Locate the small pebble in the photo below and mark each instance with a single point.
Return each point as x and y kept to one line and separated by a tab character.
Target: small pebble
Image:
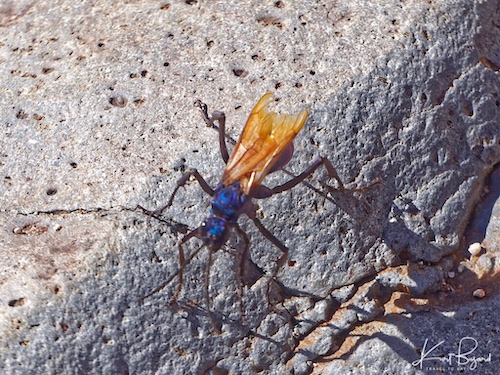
475	248
479	293
460	268
451	274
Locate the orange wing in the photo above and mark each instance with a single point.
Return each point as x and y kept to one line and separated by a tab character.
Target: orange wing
264	138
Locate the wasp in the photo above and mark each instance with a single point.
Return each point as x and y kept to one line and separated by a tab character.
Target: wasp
265	146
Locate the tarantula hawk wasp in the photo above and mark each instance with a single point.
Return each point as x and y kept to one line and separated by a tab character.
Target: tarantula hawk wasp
265	146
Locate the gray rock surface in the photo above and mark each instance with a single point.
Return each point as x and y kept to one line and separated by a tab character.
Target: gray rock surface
98	117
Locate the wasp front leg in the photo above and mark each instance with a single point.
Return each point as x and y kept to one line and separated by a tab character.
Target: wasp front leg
206	280
241	267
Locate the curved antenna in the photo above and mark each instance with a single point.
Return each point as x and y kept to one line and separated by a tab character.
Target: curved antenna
182	263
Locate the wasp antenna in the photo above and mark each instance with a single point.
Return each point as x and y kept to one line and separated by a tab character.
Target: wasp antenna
179	271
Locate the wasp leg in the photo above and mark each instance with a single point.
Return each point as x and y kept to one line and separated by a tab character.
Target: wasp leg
206	280
220	117
309	171
180	183
281	261
182	264
241	268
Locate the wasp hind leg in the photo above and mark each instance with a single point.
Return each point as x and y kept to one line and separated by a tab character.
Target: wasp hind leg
264	192
220	117
308	172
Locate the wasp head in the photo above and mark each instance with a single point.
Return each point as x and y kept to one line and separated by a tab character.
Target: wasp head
214	232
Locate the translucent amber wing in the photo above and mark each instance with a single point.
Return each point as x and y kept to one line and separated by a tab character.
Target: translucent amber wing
264	138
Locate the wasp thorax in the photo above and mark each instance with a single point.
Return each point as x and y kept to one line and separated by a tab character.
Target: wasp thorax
228	201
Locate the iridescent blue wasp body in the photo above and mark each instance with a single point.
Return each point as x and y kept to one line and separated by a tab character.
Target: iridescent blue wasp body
265	146
227	205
